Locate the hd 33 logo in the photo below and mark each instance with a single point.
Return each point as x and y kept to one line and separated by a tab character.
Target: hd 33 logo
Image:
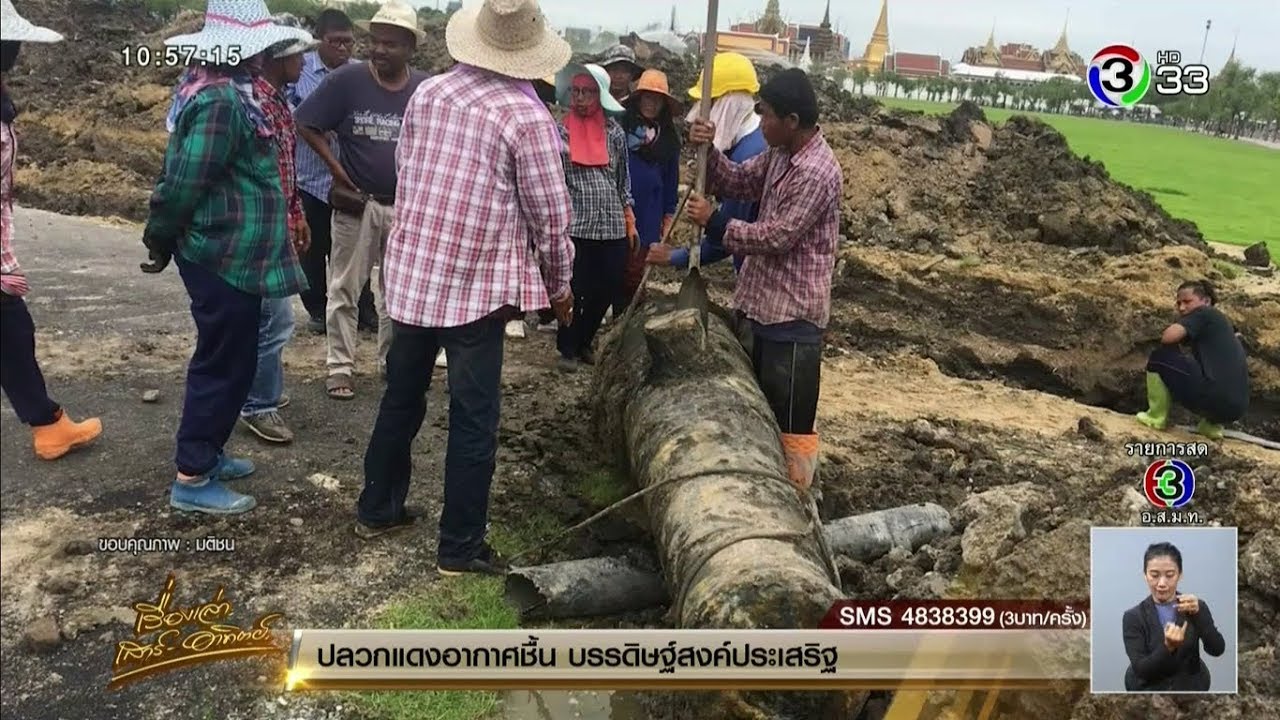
1119	76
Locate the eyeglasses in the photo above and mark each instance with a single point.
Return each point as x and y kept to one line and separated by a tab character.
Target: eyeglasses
584	92
341	42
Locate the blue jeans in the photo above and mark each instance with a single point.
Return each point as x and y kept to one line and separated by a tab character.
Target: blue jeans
475	373
275	327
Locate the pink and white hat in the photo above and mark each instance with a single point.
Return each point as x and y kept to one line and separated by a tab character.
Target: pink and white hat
16	28
236	30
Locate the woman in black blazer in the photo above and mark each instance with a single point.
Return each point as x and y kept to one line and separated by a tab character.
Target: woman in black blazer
1163	633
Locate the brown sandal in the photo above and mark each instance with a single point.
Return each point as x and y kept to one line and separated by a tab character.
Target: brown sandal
339	387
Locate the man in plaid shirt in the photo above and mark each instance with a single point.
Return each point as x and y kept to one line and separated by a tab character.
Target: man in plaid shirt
783	295
481	198
261	411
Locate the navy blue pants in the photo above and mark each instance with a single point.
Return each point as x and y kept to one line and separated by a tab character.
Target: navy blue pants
475	373
1186	383
598	270
19	372
221	369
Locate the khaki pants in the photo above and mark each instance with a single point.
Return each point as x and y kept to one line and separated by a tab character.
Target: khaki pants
356	257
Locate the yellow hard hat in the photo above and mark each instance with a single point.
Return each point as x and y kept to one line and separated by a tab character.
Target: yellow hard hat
732	72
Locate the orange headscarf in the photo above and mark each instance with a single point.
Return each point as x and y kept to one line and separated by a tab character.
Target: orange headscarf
588	141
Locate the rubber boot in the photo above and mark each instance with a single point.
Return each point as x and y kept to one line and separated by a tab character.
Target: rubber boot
801	452
1211	430
1158	400
63	435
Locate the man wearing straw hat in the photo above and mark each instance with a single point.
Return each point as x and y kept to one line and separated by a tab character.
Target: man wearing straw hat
53	432
363	103
221	212
482	201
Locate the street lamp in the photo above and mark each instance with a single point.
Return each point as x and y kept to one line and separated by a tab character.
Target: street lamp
1207	25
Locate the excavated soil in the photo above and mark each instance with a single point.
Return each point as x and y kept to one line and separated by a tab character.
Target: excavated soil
994	303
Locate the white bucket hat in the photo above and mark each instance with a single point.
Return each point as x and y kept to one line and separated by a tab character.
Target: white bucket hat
396	14
16	28
290	47
236	30
508	37
564	80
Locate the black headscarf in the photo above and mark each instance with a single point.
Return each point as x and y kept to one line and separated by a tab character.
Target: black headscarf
665	146
8	58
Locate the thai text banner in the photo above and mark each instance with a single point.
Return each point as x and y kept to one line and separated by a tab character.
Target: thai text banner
658	659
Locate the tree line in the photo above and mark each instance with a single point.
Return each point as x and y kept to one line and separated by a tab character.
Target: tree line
1241	101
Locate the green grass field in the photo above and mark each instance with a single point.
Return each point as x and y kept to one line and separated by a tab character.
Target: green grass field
1220	185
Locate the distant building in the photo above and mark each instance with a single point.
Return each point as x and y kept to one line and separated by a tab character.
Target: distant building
878	56
824	44
1025	58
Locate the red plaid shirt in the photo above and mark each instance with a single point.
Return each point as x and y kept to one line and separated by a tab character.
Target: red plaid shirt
276	108
12	281
791	247
480	199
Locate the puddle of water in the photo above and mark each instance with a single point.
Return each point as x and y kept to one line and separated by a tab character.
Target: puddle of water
570	705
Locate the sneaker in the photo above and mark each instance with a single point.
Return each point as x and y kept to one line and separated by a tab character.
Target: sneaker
488	562
207	496
515	329
364	531
567	364
548	327
316	325
269	426
441	362
230	468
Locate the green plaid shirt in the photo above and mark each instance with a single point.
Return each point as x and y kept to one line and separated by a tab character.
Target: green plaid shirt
222	199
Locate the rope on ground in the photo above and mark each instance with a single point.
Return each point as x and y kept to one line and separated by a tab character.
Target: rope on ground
636	496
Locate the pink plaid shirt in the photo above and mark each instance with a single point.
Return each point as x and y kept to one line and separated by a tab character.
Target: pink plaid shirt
12	282
791	247
480	199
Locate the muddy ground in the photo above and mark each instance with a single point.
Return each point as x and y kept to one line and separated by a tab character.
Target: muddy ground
994	303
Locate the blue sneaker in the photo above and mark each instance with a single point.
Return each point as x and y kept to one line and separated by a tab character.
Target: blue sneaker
230	468
209	497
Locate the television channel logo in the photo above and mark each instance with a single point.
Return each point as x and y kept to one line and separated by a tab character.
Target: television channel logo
1119	76
1169	484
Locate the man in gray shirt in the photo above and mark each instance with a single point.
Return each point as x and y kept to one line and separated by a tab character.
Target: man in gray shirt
362	104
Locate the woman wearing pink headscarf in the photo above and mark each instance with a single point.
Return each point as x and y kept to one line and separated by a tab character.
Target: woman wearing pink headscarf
604	226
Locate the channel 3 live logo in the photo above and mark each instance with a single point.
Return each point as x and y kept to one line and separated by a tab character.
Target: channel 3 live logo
1169	484
1119	76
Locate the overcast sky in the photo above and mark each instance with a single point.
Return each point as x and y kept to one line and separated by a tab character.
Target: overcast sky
947	27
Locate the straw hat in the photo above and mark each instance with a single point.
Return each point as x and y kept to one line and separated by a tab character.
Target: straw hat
290	47
655	81
508	37
396	14
621	54
16	28
236	30
564	80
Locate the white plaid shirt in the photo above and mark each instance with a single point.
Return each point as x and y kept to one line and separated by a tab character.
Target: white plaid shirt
600	194
11	279
791	247
480	189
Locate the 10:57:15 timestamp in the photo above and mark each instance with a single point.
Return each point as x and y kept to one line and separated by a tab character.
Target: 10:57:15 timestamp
179	56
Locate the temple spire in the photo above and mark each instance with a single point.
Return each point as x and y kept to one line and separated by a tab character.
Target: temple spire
826	16
882	25
673	17
1232	57
1062	39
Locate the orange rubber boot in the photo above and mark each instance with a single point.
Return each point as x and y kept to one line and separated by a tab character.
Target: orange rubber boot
63	436
801	452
